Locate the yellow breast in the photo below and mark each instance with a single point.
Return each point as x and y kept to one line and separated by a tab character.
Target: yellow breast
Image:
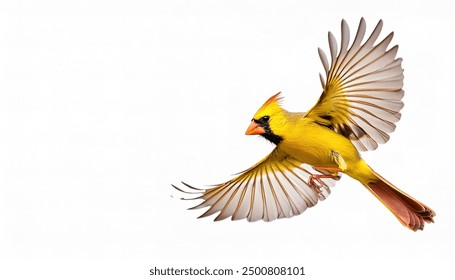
315	144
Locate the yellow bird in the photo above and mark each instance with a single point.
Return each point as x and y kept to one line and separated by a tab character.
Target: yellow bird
359	105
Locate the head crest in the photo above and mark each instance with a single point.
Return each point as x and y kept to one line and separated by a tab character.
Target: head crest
275	98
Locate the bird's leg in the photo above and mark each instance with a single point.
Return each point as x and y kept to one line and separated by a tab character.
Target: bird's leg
329	171
315	180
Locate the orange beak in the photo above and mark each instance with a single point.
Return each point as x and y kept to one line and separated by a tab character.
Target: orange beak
254	129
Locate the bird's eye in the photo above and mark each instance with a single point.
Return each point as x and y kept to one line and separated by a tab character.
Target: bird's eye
265	118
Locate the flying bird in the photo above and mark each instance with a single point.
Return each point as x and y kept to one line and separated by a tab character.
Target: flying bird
358	108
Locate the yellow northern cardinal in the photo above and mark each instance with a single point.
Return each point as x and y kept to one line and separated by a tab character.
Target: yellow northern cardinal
359	105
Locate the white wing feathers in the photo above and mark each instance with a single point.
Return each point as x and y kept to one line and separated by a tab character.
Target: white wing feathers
277	187
362	95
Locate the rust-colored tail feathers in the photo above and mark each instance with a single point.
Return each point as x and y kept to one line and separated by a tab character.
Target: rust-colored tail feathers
410	212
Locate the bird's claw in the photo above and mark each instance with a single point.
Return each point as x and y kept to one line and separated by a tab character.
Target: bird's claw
318	186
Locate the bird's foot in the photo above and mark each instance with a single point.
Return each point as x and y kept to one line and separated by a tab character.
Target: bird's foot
318	186
315	180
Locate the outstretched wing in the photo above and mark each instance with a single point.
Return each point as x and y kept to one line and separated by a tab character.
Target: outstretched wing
361	98
276	187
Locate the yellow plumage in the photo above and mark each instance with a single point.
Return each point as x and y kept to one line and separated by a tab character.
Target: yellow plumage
358	107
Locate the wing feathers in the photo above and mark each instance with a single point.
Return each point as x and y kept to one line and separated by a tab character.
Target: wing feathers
333	46
324	61
363	90
274	188
344	37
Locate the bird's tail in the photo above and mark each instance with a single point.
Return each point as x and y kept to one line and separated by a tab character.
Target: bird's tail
410	212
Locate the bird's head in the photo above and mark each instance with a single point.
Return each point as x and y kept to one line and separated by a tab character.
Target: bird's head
269	120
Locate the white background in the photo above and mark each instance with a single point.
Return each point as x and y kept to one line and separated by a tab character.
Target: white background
104	104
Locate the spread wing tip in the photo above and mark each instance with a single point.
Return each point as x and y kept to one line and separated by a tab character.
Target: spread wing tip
362	89
276	187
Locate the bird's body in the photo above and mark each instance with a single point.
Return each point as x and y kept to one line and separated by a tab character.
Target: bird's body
357	110
316	145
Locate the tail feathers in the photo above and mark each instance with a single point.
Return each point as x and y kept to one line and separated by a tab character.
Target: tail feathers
410	212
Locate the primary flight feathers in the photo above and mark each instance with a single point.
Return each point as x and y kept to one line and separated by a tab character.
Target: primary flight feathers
359	105
362	96
274	188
